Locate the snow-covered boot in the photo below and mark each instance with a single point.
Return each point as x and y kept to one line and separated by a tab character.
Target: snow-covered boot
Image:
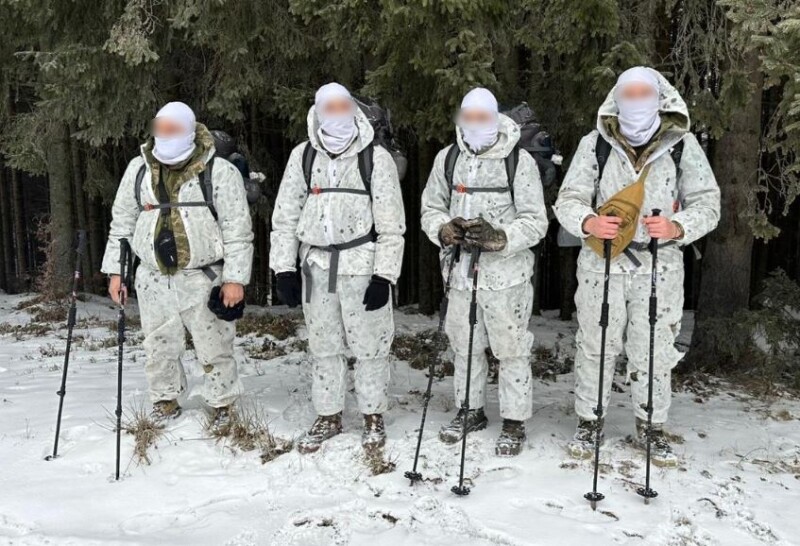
582	444
324	428
511	438
221	420
661	453
453	431
374	434
164	410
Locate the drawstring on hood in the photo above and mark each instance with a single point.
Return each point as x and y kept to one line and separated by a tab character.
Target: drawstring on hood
479	136
176	149
336	132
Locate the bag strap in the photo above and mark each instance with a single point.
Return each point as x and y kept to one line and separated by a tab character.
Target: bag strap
366	161
512	160
207	186
602	150
677	153
163	194
450	164
309	155
137	187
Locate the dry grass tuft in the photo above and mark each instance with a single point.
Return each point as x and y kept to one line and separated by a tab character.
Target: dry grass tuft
377	463
249	430
145	431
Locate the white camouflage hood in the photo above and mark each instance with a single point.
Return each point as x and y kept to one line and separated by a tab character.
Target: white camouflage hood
507	137
672	109
364	136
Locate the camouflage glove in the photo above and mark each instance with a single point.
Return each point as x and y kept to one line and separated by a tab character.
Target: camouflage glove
452	233
481	234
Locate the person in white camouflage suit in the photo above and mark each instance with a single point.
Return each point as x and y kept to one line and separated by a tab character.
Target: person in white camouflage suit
339	205
480	207
209	251
644	119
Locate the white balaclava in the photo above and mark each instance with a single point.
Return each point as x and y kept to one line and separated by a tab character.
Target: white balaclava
479	136
336	132
176	149
638	118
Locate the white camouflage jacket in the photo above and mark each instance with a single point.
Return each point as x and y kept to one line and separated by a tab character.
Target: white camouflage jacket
523	218
229	238
302	221
692	200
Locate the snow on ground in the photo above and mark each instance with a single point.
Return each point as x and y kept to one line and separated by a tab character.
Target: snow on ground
738	484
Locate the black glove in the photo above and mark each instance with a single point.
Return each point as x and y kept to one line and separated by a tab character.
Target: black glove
289	289
377	294
216	306
452	233
481	234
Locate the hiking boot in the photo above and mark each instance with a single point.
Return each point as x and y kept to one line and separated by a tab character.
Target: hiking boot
453	431
324	428
509	443
164	410
374	434
221	420
582	444
661	454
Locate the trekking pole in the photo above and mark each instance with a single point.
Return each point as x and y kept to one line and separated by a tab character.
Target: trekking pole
461	489
124	273
593	496
412	474
646	491
80	248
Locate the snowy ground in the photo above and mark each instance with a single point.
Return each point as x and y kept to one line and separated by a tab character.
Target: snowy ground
738	483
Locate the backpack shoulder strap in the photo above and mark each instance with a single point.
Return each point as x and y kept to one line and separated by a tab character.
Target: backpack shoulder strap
309	155
512	160
137	186
450	163
602	150
677	154
207	186
366	161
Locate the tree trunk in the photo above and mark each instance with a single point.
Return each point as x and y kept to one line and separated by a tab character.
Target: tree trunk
80	209
58	268
429	274
726	269
96	243
7	271
20	233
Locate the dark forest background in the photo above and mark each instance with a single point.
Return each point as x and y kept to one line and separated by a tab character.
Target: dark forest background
81	79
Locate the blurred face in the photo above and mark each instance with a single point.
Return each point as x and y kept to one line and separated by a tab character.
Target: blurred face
476	116
636	91
336	107
167	128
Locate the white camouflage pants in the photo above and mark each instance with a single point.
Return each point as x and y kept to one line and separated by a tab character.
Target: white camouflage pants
628	328
167	306
336	321
503	317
